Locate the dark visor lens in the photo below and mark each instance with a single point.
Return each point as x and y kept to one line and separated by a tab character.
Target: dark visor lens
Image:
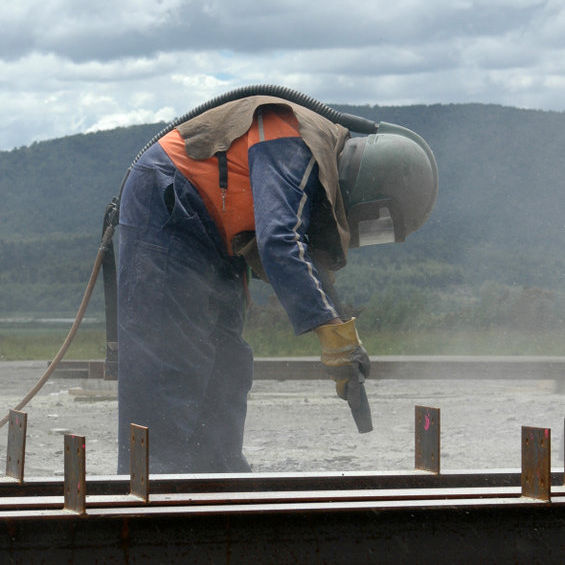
377	231
371	223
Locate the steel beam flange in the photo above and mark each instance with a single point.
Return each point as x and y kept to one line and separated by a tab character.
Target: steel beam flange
139	461
75	474
427	432
536	463
15	457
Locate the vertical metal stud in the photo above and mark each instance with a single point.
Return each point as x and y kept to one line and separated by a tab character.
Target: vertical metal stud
75	474
536	463
139	461
15	457
427	432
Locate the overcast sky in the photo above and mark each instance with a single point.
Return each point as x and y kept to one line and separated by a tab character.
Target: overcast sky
68	66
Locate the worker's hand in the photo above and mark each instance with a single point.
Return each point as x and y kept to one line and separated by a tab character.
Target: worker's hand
343	354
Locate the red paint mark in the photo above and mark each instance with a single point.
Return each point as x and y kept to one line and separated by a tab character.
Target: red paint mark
427	422
546	432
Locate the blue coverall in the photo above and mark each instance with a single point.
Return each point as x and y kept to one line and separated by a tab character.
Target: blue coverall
184	368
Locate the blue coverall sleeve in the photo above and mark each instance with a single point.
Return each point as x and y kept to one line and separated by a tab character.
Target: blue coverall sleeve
284	182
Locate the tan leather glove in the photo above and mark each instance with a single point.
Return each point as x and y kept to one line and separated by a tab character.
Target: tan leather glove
343	354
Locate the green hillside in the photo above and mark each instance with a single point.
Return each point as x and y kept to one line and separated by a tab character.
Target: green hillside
491	254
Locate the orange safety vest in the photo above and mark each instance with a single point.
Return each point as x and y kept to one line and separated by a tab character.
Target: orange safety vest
230	206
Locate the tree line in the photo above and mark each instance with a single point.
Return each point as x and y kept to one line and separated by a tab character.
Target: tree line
491	253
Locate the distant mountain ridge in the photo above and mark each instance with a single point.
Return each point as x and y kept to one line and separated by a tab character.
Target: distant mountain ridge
500	213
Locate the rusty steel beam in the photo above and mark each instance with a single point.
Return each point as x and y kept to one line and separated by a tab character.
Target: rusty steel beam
307	502
263	497
442	367
254	482
439	531
204	518
450	367
201	518
10	506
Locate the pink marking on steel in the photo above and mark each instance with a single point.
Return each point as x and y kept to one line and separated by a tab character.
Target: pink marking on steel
427	422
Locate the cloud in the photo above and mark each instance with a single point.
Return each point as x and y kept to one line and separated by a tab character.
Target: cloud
109	30
110	121
67	67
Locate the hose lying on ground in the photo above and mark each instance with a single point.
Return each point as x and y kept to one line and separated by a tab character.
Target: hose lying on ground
72	332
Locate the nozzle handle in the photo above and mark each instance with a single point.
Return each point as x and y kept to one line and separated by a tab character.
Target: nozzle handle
359	404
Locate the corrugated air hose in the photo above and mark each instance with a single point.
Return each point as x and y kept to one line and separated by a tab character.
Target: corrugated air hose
105	256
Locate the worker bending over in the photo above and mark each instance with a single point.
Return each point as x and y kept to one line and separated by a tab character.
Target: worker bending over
258	182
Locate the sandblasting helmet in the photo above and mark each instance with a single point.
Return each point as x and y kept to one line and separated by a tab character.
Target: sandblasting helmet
389	184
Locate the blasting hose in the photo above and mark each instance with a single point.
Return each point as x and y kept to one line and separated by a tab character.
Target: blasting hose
106	239
350	121
106	257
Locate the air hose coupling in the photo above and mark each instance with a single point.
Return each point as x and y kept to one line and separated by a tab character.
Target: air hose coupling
111	219
113	212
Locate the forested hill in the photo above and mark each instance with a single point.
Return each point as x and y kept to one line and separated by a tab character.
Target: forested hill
499	217
62	186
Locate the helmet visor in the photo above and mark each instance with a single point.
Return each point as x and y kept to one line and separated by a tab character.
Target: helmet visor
372	223
377	231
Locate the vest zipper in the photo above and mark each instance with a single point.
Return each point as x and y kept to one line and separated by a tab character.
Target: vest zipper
223	175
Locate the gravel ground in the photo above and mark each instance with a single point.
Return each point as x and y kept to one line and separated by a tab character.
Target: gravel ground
302	426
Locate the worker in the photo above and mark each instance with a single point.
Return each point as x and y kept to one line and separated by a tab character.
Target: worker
257	183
